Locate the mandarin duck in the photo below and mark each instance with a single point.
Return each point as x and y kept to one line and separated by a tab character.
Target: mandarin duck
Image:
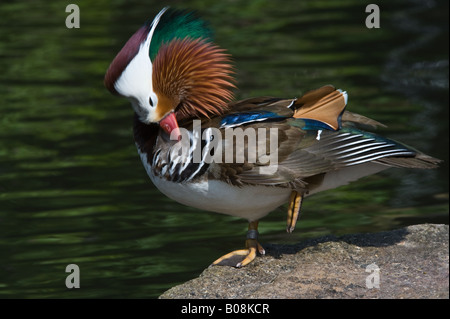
240	158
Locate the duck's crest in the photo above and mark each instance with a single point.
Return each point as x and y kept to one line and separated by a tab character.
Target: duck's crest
177	24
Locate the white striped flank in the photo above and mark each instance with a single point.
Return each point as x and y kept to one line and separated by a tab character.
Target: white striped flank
346	149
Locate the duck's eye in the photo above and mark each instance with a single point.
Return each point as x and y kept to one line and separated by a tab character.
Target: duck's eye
150	101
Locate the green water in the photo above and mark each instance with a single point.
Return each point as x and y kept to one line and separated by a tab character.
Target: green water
72	187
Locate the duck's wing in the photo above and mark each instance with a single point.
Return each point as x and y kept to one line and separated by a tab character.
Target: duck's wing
310	143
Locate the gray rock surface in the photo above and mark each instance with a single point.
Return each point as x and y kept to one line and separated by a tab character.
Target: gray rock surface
412	263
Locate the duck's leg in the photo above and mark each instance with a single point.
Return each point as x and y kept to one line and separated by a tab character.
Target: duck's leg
295	204
245	255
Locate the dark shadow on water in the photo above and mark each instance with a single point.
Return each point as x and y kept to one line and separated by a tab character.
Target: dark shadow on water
381	239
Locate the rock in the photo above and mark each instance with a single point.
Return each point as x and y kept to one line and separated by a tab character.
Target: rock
412	263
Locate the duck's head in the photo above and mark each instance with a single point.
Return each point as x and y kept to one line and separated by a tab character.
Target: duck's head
170	70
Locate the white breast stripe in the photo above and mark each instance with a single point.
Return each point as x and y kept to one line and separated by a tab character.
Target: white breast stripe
190	155
195	140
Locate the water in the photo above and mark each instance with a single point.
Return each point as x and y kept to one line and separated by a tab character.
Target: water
73	190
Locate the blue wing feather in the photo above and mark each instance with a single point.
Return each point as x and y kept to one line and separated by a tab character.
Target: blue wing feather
241	118
314	125
236	119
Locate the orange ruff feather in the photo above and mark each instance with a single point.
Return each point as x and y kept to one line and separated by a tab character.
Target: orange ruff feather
194	76
325	104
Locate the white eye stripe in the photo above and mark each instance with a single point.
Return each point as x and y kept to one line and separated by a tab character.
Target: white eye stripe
153	27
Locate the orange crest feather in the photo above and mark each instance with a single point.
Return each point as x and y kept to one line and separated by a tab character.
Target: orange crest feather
195	76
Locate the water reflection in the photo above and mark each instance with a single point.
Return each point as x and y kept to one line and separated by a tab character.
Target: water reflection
72	188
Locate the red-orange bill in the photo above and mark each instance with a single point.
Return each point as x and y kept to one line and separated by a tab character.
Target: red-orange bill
169	124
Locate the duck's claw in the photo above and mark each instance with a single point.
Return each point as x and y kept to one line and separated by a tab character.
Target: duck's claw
242	257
